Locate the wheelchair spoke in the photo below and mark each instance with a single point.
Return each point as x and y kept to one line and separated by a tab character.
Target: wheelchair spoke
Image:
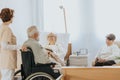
39	76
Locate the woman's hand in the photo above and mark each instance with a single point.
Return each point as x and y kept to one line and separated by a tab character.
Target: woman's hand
24	48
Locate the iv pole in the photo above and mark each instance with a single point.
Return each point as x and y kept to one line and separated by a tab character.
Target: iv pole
64	14
69	45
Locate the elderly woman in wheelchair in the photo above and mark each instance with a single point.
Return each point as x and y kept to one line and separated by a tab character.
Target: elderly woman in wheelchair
36	64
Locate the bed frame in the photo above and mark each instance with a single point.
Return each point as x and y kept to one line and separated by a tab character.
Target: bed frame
69	51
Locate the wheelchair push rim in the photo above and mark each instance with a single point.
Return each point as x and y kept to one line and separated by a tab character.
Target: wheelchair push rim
40	75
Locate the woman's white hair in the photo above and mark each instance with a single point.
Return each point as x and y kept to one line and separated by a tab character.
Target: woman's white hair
32	30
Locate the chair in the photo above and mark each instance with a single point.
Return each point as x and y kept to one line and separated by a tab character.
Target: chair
31	71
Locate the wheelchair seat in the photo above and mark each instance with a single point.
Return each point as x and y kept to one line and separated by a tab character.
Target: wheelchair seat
32	71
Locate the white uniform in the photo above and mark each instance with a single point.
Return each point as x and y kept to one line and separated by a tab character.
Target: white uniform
8	53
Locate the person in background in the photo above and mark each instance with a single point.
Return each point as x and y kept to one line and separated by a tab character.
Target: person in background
8	47
107	56
54	47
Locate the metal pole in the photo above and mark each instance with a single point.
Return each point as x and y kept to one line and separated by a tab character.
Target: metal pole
65	20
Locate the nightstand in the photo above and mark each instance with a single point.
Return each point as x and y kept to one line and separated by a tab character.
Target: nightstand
78	60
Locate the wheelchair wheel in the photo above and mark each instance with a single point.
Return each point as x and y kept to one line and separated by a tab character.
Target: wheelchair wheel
40	76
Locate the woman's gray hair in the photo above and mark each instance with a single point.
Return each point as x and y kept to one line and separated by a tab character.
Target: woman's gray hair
31	31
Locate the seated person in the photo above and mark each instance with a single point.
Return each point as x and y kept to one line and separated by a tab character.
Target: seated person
41	55
107	56
56	48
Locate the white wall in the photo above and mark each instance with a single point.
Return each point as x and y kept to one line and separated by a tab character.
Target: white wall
107	17
37	13
53	16
82	26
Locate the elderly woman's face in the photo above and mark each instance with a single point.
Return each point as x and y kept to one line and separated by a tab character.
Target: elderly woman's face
51	38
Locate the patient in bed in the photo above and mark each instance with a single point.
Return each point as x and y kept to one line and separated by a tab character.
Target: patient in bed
55	48
107	56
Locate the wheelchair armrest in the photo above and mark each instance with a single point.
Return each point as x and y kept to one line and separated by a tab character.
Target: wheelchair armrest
28	50
47	64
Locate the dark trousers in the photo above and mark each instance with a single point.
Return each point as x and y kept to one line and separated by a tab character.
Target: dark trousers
106	63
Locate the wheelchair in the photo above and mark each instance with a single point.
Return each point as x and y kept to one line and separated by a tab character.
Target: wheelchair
31	71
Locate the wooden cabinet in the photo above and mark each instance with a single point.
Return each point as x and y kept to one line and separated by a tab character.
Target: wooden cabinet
93	73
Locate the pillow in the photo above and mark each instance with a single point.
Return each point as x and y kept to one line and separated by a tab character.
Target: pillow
62	38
